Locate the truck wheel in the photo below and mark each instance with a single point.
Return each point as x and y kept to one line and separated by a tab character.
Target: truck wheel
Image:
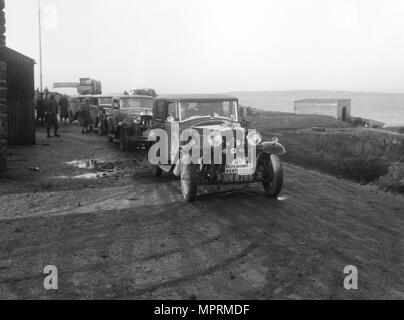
189	181
273	177
156	171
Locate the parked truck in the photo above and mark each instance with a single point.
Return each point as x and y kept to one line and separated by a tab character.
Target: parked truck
89	86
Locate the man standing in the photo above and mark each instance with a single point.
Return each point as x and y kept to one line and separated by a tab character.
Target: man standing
64	109
51	112
249	112
85	115
40	110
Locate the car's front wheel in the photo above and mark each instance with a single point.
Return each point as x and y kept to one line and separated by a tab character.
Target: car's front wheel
156	171
189	181
273	176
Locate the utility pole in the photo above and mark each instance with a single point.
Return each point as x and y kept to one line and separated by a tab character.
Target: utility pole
40	45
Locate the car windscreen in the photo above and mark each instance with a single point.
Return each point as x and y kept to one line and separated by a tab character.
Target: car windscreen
136	103
105	101
77	100
222	109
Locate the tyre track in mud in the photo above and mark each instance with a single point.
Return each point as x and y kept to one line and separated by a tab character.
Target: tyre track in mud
286	242
342	244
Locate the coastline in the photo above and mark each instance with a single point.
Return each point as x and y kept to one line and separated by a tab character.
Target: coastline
363	155
384	107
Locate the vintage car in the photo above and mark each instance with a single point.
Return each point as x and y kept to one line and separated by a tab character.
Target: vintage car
104	104
229	152
130	120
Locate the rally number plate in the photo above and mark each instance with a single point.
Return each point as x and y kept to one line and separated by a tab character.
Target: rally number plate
242	170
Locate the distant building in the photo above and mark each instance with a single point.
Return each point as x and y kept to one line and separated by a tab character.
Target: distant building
337	108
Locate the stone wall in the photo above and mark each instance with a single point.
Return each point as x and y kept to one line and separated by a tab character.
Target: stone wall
3	95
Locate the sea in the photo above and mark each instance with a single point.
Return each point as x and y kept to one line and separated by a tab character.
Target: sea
385	107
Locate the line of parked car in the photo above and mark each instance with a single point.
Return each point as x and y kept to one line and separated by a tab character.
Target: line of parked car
125	118
129	119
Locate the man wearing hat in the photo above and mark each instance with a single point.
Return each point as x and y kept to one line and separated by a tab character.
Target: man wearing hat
51	113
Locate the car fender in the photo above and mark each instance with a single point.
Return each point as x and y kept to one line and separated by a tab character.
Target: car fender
271	147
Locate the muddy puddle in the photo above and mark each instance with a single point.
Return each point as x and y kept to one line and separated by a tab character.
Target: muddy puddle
96	168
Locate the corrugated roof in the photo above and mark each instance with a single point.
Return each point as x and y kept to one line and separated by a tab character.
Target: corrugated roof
10	51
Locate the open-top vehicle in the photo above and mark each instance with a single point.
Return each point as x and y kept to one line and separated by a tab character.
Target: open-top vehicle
226	151
130	120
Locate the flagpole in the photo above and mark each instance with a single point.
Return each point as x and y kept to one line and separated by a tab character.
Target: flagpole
40	44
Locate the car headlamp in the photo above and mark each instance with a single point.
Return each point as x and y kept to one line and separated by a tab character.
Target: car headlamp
152	135
254	138
137	120
215	139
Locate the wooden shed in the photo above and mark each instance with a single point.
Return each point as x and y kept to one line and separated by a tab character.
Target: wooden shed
20	97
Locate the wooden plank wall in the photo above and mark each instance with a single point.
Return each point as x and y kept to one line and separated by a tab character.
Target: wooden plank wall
20	98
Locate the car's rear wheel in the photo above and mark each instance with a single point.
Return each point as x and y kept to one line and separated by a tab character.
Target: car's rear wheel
189	181
273	175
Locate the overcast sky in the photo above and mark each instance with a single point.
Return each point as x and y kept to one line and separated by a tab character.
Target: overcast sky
215	45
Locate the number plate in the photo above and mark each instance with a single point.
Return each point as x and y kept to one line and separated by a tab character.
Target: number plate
237	178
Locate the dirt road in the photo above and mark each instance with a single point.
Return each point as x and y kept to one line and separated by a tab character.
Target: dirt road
114	231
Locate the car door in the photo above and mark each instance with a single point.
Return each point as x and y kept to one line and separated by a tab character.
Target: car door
171	126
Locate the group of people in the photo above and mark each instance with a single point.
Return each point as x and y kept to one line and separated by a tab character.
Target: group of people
85	118
48	109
